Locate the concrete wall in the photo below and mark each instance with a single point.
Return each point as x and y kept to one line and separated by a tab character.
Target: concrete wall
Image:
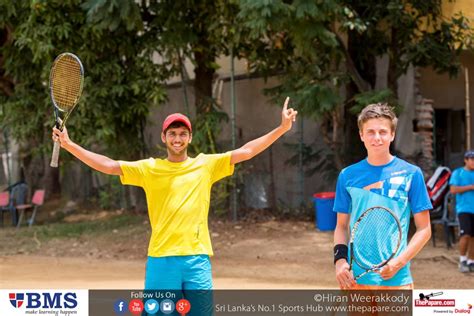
451	8
450	94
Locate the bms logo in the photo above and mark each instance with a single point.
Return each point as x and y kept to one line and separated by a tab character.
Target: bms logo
44	300
16	299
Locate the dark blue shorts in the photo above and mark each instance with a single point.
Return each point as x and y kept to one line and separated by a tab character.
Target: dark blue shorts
466	224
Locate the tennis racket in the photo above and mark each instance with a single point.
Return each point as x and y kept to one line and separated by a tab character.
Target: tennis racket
375	239
65	86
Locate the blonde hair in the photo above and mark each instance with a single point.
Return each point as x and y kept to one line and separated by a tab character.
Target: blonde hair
377	110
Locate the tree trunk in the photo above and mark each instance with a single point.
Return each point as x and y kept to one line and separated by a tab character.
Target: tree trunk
203	80
6	83
354	149
365	64
392	77
393	73
50	180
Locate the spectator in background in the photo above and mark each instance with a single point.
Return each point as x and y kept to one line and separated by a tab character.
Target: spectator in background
462	184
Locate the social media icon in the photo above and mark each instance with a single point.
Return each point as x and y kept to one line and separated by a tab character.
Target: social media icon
167	306
152	306
120	307
135	306
183	306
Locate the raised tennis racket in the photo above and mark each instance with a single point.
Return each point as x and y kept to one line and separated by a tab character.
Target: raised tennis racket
375	239
65	86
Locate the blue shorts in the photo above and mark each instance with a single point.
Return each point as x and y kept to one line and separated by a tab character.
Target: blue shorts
189	277
178	273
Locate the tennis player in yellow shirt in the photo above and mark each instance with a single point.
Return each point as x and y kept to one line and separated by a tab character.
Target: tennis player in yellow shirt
178	190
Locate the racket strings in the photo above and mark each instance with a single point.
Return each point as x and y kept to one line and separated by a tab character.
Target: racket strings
376	238
66	82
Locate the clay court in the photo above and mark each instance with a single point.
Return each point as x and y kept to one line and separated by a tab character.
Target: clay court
266	254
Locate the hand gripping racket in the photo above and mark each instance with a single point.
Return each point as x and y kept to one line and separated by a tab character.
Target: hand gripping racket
375	239
65	86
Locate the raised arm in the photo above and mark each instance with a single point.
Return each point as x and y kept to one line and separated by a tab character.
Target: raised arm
98	162
256	146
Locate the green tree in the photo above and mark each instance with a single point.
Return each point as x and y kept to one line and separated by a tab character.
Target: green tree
199	31
196	30
119	43
319	47
122	82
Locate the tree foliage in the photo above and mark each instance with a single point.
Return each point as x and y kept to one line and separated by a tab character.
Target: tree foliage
122	82
324	52
199	31
196	30
128	49
321	48
411	33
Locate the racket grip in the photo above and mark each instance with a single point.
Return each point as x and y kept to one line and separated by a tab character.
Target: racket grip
55	156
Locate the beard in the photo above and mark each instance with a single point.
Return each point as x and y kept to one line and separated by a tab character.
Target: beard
177	152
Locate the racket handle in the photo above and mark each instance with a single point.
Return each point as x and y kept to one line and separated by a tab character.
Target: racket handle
55	156
367	271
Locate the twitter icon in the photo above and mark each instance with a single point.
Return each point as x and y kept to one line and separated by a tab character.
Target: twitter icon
152	306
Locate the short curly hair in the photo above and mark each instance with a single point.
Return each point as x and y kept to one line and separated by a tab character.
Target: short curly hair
377	110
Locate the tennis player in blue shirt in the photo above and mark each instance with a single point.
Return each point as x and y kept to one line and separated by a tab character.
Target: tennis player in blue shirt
380	180
462	184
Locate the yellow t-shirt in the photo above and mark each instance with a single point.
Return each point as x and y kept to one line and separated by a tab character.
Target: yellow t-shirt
178	197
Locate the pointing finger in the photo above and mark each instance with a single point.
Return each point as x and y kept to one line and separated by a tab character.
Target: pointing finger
285	106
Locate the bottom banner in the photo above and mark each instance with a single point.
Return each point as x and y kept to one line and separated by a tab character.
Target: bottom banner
250	302
234	302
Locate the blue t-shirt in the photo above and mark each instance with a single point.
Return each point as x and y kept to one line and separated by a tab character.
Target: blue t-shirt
399	186
464	201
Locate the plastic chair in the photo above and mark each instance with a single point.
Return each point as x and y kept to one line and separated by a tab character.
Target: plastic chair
18	193
449	220
4	203
438	217
36	201
452	222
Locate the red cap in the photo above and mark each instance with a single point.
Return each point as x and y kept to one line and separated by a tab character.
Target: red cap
176	117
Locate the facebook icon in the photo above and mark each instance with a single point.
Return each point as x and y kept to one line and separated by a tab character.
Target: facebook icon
120	307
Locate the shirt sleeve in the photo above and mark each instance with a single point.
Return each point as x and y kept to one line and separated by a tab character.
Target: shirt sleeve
133	172
418	194
342	203
219	166
454	180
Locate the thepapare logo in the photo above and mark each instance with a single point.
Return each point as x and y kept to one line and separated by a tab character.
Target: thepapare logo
44	300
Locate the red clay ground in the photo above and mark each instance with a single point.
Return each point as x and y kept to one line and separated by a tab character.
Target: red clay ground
269	254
